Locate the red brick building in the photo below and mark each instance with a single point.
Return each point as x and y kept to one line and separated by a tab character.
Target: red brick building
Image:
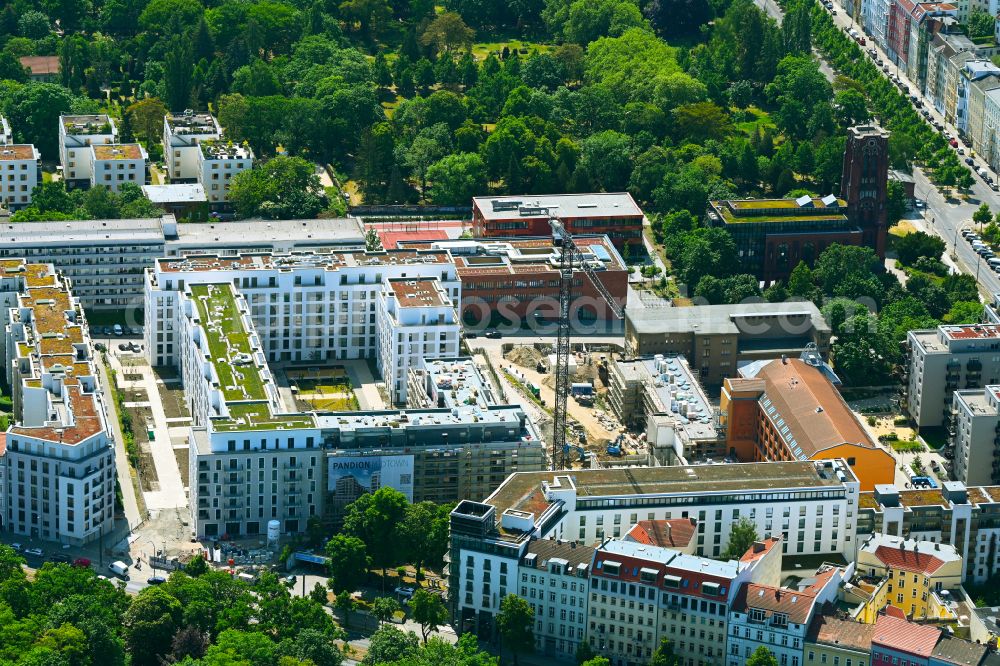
518	279
612	214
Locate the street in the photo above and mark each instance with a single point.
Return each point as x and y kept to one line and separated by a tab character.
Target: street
944	217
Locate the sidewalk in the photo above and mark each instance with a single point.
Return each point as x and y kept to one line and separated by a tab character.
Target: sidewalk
122	468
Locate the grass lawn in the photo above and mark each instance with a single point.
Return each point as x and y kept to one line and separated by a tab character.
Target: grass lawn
481	50
227	339
902	228
761	120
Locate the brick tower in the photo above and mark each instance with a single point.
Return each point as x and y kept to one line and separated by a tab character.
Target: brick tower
864	183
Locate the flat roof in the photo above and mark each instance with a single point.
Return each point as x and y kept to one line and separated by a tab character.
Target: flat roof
971	332
225	150
595	204
521	488
18	151
96	123
717	319
675	388
247	232
118	151
418	293
458	381
191	123
175	193
134	230
330	261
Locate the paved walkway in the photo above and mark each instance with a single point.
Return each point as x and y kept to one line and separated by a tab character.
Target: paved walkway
171	489
132	514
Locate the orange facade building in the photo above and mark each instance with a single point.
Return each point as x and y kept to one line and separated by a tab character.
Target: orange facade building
791	411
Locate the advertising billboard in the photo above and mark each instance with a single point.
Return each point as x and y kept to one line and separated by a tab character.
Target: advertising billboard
349	477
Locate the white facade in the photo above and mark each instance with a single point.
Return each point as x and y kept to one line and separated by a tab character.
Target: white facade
416	319
218	164
59	467
182	134
976	438
304	306
18	174
113	165
946	359
76	135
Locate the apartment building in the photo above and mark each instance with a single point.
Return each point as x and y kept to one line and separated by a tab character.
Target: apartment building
789	410
834	641
518	278
967	518
182	134
685	599
115	164
257	455
943	360
897	640
717	339
917	571
554	578
218	163
58	463
305	306
20	169
612	214
779	618
943	63
975	436
875	20
661	395
76	135
806	504
416	320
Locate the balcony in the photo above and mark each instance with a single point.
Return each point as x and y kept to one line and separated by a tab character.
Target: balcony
974	366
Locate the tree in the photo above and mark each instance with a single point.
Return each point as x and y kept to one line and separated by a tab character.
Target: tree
160	16
911	247
515	622
150	623
456	178
664	654
428	147
983	215
741	538
606	157
345	603
348	562
375	519
145	117
895	207
389	644
801	282
447	32
678	17
189	641
701	121
34	109
981	23
312	647
10	564
178	73
33	25
762	657
425	529
367	13
372	241
281	188
428	611
852	108
596	661
385	608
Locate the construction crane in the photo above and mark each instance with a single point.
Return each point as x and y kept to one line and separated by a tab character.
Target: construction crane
570	254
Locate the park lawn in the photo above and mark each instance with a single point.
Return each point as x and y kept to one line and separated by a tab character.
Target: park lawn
902	228
480	50
762	120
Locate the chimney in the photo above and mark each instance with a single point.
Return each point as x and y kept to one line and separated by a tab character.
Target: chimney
667	523
784	359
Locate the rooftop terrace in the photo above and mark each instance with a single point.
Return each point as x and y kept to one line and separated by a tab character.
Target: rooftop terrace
192	123
88	124
331	261
971	332
805	209
18	152
422	293
225	150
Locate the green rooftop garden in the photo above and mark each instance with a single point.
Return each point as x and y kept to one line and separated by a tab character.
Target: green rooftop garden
729	218
227	341
257	416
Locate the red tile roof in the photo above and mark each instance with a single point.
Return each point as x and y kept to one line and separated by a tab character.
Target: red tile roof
3	443
908	560
897	634
759	549
674	533
831	630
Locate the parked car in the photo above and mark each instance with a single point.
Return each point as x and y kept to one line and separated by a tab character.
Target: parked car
60	558
968	160
119	568
156	580
17	547
118	329
403	591
289	581
37	552
124	346
493	334
81	562
469	335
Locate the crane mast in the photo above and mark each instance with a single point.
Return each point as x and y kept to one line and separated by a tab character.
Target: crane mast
570	253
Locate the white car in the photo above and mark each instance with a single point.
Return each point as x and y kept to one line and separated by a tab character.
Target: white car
405	592
37	552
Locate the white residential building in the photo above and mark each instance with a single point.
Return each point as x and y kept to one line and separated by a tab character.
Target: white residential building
416	319
304	306
976	438
943	360
106	259
113	165
59	466
76	135
182	134
218	164
19	170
